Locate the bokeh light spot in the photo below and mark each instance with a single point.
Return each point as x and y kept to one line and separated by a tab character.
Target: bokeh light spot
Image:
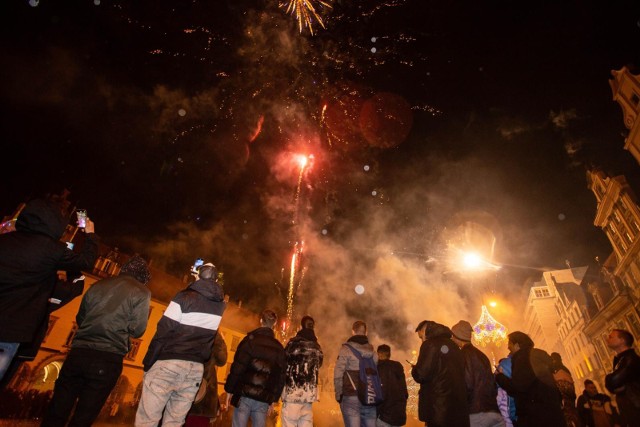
562	217
324	231
366	168
359	289
374	193
33	3
182	112
373	50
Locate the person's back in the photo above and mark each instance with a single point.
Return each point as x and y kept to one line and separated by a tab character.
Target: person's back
257	374
108	312
393	409
111	311
440	372
624	381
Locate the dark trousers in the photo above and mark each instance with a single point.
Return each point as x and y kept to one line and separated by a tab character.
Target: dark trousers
87	376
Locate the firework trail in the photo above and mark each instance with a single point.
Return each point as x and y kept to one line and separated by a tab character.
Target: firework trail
305	12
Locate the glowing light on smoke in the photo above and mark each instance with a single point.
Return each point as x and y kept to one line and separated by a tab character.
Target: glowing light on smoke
305	12
488	330
359	289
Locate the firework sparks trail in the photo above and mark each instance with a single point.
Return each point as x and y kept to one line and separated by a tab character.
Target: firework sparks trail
305	12
295	264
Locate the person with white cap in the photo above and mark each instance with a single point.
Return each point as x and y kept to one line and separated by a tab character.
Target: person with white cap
480	382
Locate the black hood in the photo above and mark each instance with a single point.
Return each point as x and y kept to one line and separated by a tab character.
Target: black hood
41	216
436	330
209	289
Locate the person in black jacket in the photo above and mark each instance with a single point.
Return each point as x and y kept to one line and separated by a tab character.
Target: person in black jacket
440	372
393	409
538	400
482	392
174	363
257	374
29	260
111	311
624	381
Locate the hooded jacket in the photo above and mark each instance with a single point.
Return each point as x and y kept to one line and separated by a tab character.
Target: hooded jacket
29	260
112	311
393	410
481	383
538	400
347	369
258	368
189	325
304	359
440	373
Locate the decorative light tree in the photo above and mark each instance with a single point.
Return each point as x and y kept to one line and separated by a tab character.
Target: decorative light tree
488	330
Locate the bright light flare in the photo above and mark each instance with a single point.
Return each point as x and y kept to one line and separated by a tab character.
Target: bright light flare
493	304
472	261
302	161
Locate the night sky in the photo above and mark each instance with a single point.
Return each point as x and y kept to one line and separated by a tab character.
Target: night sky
176	125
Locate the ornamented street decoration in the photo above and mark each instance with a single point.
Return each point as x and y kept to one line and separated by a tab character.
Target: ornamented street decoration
488	330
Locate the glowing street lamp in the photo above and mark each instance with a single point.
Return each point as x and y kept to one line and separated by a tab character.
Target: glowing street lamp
473	261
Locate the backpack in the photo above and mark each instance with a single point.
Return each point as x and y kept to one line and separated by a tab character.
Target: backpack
369	387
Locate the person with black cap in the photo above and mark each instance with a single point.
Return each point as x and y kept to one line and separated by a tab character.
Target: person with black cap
112	311
174	363
392	412
479	379
442	399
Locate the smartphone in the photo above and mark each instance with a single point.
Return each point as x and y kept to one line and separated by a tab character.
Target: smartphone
199	262
82	218
69	245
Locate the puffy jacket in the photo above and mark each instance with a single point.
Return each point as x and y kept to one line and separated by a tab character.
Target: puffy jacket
393	410
29	260
189	325
481	383
440	373
347	367
258	368
538	400
304	359
111	311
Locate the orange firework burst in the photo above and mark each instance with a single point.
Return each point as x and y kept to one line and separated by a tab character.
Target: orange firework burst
305	12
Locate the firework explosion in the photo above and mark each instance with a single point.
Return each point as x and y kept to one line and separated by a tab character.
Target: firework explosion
305	12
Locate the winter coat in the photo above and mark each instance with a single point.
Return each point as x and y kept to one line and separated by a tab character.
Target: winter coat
29	260
304	359
258	368
207	405
481	383
393	409
538	401
112	311
624	381
189	325
440	373
597	406
347	369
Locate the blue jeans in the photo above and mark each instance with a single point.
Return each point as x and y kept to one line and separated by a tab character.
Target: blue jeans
7	352
355	414
171	383
249	408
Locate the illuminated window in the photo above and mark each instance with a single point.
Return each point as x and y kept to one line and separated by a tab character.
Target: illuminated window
72	334
135	346
542	292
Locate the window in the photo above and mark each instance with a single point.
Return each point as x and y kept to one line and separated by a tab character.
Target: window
542	292
234	343
52	322
135	346
72	334
632	319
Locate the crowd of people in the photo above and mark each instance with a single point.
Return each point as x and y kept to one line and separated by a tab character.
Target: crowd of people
458	385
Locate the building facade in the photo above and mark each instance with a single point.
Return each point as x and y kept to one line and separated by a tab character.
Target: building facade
626	91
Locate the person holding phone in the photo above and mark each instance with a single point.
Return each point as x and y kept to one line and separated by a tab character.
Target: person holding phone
29	260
